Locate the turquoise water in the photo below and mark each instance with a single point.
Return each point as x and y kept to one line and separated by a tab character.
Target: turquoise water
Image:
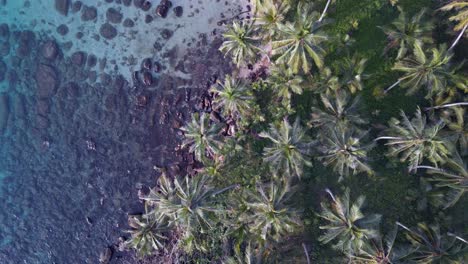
80	134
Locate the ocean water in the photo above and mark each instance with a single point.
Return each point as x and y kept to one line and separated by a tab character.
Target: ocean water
91	99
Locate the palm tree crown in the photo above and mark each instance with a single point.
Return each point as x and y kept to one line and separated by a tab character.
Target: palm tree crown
270	14
232	96
240	43
414	140
301	41
285	83
346	223
290	146
201	137
404	32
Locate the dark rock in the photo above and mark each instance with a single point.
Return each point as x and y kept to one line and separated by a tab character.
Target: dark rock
147	79
72	90
78	58
46	81
50	50
43	107
76	6
42	122
114	16
142	100
4	31
156	67
3	70
138	3
4	112
79	35
105	256
146	64
146	5
62	30
166	33
148	19
105	79
92	61
12	78
162	10
178	11
4	48
108	31
126	2
23	50
88	13
62	6
128	23
166	3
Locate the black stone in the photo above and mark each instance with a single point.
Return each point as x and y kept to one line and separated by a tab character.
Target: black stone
88	13
108	31
50	50
76	6
178	11
4	31
128	23
62	6
46	81
62	30
114	16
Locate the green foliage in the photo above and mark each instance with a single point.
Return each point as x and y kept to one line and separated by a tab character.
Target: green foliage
147	234
287	155
201	137
461	17
240	44
454	119
415	140
346	224
269	15
285	83
433	247
301	41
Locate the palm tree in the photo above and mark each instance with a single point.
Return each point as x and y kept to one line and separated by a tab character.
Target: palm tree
147	234
352	73
285	83
300	41
188	204
416	140
347	225
380	250
432	247
240	43
268	216
341	148
404	32
201	136
461	18
290	146
454	119
269	14
338	110
324	82
247	256
232	96
452	181
420	71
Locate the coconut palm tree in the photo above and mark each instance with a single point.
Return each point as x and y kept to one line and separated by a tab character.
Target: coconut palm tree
433	73
454	119
451	181
290	146
232	96
324	82
342	149
461	17
269	14
301	41
240	43
404	32
346	224
352	73
201	137
147	234
285	83
338	110
415	140
268	216
433	247
246	256
380	250
187	204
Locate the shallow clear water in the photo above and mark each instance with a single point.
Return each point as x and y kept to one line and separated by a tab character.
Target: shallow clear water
78	134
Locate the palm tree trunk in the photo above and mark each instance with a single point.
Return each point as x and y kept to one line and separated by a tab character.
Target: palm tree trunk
457	237
459	37
393	86
448	105
428	167
331	194
324	11
306	253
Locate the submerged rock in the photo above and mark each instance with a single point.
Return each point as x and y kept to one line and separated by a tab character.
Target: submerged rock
105	256
114	16
88	13
163	8
178	11
46	81
50	50
3	70
4	112
62	30
128	23
4	31
4	48
76	6
108	31
62	6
